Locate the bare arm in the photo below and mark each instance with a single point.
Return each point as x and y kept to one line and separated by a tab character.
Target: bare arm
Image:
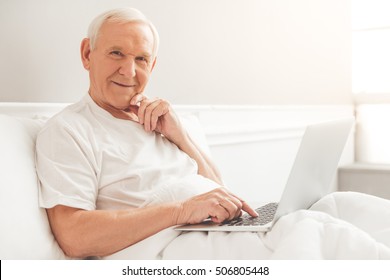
82	233
158	115
206	167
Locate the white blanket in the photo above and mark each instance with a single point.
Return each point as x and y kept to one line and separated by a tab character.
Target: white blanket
339	226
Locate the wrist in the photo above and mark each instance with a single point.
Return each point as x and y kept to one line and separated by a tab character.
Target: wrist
176	213
185	144
181	140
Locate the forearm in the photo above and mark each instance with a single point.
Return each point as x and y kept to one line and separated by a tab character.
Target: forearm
157	115
83	233
206	167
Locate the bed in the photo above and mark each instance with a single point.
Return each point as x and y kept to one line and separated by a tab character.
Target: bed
342	225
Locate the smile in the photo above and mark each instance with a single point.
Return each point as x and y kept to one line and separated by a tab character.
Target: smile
123	85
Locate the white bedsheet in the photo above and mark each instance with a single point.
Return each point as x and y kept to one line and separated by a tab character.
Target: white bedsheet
340	226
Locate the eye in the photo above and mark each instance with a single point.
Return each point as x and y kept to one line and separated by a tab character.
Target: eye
142	59
116	53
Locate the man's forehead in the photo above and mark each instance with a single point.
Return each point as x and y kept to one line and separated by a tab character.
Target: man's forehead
134	30
123	35
112	29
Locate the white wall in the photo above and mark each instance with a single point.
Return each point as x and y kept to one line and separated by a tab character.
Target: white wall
255	151
212	51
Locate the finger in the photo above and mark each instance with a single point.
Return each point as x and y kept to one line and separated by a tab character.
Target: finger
157	112
238	213
237	206
232	204
220	215
230	208
249	210
234	199
245	206
148	115
133	109
142	109
137	98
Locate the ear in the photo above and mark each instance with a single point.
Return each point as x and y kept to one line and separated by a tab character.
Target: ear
153	64
85	50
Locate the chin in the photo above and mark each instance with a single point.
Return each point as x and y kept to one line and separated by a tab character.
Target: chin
121	103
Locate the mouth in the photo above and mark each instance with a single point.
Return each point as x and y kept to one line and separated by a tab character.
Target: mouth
123	85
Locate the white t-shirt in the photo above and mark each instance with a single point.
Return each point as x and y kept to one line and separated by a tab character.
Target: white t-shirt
90	160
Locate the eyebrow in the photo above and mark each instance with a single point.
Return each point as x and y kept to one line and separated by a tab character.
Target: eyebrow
118	48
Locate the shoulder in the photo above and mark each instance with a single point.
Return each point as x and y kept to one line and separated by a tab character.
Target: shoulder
71	119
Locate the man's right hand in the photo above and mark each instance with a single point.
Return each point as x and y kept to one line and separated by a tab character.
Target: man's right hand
219	205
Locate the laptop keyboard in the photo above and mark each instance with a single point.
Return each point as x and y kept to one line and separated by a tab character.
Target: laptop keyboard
266	215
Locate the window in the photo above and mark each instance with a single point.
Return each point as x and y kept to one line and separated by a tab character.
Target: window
371	50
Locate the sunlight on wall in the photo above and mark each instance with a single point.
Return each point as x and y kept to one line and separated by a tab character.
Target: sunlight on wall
373	133
371	61
371	45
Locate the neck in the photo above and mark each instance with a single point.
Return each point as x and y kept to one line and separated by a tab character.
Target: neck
129	113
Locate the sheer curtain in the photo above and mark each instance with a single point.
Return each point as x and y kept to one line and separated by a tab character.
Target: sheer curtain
371	79
371	50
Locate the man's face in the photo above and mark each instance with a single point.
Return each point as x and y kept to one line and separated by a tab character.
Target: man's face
120	64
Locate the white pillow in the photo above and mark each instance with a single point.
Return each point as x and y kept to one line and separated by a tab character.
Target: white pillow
25	232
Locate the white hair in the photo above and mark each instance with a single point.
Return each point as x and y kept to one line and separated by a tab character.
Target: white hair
121	15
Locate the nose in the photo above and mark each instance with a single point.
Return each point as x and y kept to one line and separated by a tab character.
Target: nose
128	68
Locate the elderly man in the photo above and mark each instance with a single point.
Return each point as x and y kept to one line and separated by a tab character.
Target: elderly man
118	170
102	160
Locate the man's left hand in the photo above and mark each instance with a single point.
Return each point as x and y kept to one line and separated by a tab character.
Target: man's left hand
157	115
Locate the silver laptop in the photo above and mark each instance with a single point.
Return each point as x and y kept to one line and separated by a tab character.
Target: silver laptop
311	178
